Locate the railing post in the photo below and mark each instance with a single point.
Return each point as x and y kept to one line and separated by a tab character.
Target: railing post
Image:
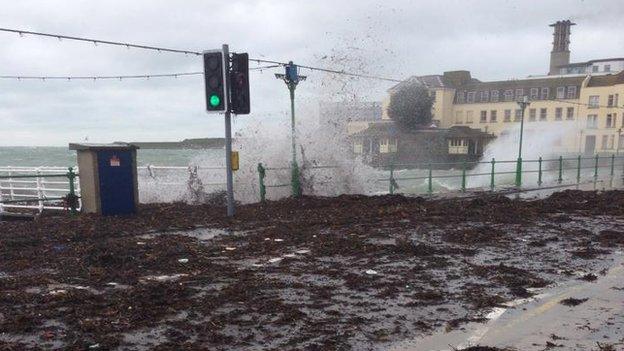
430	184
72	190
519	172
539	173
1	198
492	175
612	165
596	168
560	180
261	175
40	194
463	184
391	189
12	190
578	170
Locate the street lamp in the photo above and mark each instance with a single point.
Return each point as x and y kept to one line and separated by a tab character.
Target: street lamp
291	77
523	105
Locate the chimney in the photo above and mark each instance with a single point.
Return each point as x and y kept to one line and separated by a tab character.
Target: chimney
560	54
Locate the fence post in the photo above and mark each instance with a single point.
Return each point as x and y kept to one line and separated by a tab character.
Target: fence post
578	170
391	189
72	190
430	184
596	168
560	180
261	175
539	173
519	172
11	186
40	193
463	185
492	175
612	165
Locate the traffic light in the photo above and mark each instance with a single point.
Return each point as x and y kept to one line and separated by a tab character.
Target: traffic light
239	81
214	75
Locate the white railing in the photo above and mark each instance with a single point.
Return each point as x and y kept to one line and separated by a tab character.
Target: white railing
156	184
38	188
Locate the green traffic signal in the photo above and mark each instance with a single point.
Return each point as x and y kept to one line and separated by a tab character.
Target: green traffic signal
214	100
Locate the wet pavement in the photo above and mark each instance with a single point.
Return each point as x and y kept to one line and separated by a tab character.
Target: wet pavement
345	273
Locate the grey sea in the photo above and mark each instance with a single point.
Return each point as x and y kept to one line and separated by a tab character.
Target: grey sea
62	157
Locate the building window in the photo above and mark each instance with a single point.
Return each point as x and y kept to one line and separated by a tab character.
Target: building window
508	95
532	114
484	96
595	69
387	145
615	100
493	116
592	121
534	93
558	113
572	92
610	121
518	115
519	94
605	141
507	115
560	92
358	148
610	101
611	141
483	117
543	113
461	97
607	68
459	117
594	101
545	92
471	97
570	113
458	146
392	146
494	95
469	116
432	94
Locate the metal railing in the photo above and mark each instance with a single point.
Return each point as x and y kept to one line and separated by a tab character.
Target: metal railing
560	169
49	187
44	186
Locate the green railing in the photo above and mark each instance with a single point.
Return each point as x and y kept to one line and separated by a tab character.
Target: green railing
608	162
559	168
71	199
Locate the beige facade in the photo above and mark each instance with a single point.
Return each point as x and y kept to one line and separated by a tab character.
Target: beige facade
582	102
589	109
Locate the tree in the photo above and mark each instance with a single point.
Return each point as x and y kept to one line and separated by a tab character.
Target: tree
410	106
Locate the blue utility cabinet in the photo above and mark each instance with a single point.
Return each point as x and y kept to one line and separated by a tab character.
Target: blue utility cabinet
108	178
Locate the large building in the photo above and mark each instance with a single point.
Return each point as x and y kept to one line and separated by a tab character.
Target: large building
583	98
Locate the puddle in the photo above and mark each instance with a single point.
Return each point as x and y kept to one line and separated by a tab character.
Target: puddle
201	234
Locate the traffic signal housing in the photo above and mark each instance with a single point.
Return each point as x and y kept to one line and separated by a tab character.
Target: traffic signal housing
239	84
214	80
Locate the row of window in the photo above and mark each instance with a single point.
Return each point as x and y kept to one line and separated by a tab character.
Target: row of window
610	121
612	101
608	142
542	93
517	115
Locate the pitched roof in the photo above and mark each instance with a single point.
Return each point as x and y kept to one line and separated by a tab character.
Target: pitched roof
606	80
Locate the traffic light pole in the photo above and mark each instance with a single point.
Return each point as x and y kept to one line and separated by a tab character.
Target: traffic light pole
228	134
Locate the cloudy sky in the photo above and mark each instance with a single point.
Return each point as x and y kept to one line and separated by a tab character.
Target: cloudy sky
493	39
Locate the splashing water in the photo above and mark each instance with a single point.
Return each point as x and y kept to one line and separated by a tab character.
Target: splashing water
540	139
